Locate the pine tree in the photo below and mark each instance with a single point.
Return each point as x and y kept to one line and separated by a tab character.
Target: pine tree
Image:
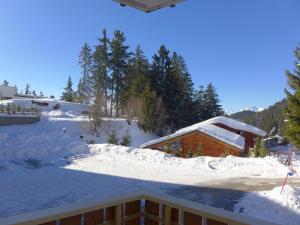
80	94
174	97
85	61
293	100
136	79
27	89
126	139
163	86
68	95
5	83
212	107
148	108
161	94
137	76
119	57
101	69
172	82
154	113
180	89
263	151
112	137
198	105
259	149
97	114
160	70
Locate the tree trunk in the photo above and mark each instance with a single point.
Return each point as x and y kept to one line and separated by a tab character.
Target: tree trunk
111	100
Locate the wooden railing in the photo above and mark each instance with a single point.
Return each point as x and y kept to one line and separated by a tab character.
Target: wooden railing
135	209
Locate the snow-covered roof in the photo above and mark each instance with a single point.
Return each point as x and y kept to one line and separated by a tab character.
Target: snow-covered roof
224	135
216	132
210	129
229	122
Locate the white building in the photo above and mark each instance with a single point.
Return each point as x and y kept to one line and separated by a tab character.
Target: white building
7	92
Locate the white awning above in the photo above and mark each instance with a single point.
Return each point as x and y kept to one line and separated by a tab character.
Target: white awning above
149	5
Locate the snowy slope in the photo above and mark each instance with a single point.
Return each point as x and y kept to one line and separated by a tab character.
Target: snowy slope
59	132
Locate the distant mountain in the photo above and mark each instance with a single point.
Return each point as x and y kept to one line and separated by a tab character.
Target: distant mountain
247	109
268	119
229	113
253	109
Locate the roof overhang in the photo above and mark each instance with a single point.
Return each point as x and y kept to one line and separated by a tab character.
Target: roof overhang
149	5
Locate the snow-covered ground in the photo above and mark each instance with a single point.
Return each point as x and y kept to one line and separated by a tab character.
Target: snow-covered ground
48	164
271	205
60	133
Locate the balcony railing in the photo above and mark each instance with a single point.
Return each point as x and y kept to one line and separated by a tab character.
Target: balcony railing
135	209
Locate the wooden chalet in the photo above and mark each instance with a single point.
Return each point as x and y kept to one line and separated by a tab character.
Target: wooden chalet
214	137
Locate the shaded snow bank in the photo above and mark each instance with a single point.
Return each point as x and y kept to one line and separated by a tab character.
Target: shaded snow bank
272	206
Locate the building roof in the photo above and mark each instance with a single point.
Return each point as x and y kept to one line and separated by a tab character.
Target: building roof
6	86
149	5
229	122
214	131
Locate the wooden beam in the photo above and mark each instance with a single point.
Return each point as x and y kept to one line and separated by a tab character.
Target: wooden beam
167	215
118	215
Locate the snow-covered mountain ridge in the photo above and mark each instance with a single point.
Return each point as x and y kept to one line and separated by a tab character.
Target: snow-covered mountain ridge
253	109
250	108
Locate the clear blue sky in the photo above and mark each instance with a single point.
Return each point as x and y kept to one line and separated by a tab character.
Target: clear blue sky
242	46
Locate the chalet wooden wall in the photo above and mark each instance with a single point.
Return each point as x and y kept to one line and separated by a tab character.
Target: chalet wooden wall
209	146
